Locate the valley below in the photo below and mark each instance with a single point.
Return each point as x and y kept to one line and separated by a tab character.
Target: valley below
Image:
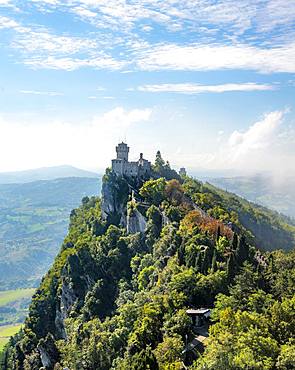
34	220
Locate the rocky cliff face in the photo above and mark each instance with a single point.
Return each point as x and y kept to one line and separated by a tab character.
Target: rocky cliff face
64	305
115	194
114	197
136	222
48	352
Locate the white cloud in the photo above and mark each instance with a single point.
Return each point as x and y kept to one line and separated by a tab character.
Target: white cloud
122	15
42	49
48	2
147	28
276	13
43	41
260	135
191	88
8	4
120	118
54	52
267	145
127	34
83	12
216	57
71	64
50	143
6	22
232	16
36	92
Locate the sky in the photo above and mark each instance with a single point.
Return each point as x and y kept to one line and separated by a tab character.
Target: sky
208	83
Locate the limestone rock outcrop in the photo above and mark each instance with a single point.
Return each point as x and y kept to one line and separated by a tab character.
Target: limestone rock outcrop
136	222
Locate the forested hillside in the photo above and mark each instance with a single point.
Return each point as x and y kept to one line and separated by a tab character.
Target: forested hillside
44	173
270	230
136	260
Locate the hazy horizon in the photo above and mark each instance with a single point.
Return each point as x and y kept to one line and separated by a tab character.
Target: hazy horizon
202	173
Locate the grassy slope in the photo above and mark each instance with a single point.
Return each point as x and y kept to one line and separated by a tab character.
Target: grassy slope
6	332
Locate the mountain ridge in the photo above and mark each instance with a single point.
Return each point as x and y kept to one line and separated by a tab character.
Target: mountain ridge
118	300
43	173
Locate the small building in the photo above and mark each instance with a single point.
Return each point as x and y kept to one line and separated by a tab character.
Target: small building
182	171
200	316
122	167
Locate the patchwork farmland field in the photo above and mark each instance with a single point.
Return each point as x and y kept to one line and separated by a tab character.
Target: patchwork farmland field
14	306
6	332
11	296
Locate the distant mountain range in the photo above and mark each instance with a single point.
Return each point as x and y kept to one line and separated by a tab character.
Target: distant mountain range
262	189
44	173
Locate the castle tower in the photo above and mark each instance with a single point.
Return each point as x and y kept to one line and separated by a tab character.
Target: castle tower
182	171
122	150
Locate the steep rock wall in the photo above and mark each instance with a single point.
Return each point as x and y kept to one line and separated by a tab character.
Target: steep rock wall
136	222
114	197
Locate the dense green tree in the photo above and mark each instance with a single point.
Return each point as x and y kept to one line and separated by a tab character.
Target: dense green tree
214	262
169	352
198	262
159	161
235	242
207	261
286	359
154	191
230	268
154	224
144	360
162	169
242	252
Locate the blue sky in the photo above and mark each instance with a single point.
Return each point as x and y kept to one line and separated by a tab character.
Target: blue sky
209	83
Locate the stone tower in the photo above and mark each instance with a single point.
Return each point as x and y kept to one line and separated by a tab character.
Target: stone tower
182	171
122	150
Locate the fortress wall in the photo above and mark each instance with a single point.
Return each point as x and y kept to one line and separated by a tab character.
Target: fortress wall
118	166
131	169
